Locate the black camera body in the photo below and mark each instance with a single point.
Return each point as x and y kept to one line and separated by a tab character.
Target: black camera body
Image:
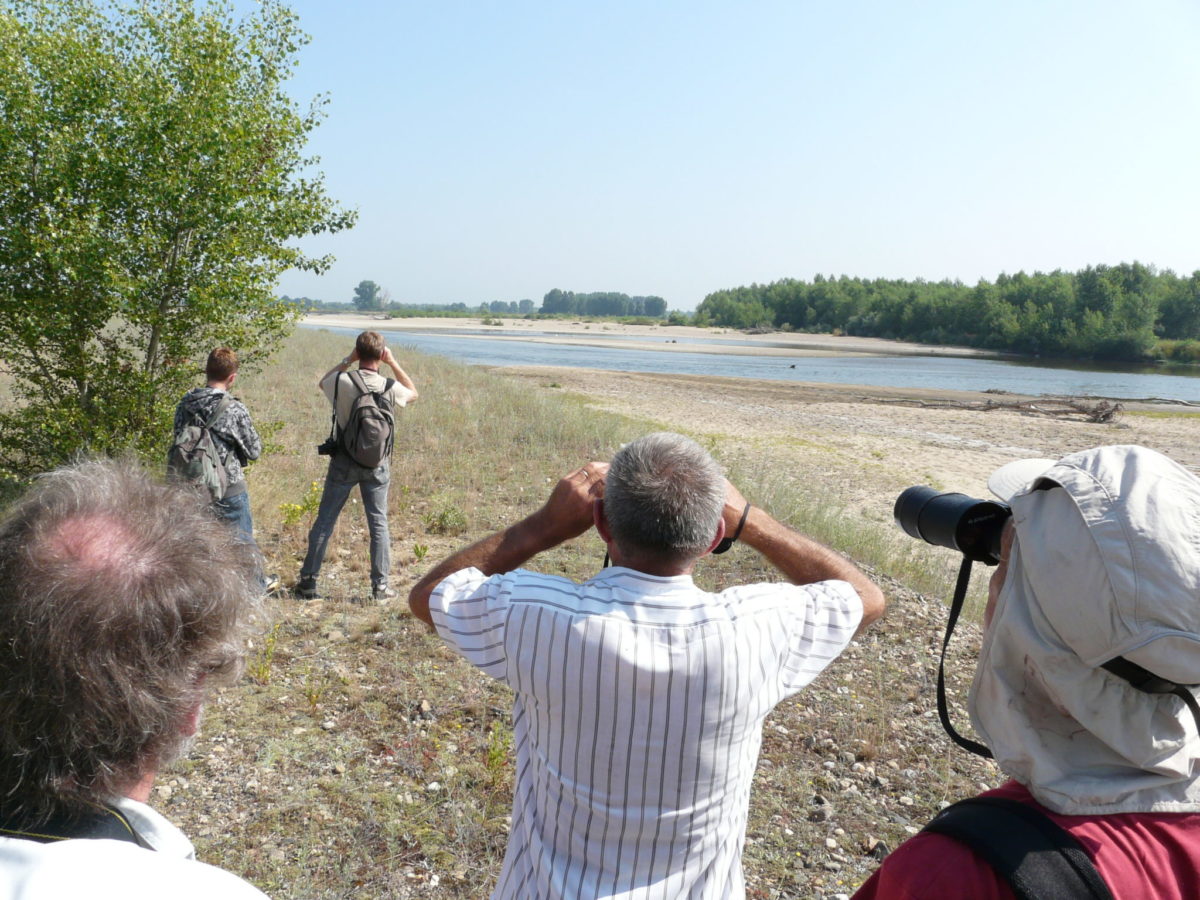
327	447
970	526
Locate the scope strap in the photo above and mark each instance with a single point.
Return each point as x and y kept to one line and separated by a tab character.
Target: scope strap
956	605
102	823
1038	858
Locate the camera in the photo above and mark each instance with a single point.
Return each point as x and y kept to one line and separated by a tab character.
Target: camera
327	447
962	523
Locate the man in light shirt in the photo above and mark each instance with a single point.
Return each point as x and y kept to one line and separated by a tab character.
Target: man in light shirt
122	602
345	473
639	698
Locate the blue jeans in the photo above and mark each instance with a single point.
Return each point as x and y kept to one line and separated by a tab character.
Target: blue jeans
235	510
343	475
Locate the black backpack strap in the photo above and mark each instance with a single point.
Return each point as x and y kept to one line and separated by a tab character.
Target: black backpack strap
1039	859
102	823
384	397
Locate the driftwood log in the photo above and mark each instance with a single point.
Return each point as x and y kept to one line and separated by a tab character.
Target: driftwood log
1090	410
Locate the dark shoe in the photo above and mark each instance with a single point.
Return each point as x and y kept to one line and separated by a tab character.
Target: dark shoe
306	589
382	594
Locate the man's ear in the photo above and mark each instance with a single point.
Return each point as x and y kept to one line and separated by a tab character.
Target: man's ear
716	540
600	521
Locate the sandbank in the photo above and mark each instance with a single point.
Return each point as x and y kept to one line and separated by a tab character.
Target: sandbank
609	334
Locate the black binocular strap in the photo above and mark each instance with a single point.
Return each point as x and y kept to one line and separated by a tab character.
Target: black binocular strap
1039	859
1142	679
956	605
104	823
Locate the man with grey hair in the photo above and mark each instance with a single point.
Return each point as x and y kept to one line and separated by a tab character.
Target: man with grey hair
639	698
123	601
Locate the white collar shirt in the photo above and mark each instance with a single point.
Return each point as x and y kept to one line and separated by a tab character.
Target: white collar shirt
116	870
637	718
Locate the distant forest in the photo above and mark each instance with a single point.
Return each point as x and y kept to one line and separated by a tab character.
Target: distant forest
370	298
602	303
1127	312
1123	312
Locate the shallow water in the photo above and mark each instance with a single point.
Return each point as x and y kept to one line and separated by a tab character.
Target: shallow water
937	372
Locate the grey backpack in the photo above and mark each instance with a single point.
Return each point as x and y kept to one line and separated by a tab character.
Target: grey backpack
194	457
371	425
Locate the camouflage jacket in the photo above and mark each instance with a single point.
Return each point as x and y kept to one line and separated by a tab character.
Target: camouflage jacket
233	433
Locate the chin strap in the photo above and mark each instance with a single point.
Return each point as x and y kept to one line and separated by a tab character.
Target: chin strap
960	594
1146	681
1142	679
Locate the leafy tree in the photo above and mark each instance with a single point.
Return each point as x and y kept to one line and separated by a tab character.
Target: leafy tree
654	306
367	296
152	181
557	301
1180	310
601	303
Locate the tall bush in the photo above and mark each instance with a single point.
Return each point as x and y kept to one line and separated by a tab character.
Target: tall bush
151	178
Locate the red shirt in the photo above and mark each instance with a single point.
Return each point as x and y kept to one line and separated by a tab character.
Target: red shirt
1139	856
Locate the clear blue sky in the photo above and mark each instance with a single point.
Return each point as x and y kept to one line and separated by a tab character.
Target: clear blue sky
496	150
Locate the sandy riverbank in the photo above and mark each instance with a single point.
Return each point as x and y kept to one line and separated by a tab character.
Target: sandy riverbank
862	445
609	334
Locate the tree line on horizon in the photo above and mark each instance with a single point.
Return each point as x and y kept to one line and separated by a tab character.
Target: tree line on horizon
602	303
370	297
1128	311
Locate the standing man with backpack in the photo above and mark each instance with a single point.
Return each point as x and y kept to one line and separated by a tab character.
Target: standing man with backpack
214	440
364	404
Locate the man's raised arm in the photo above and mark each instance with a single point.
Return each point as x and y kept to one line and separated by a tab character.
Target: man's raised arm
800	559
389	360
565	515
339	368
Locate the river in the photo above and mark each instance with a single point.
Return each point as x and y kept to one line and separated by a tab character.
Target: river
937	372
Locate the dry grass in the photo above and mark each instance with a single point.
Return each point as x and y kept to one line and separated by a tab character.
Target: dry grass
473	449
360	758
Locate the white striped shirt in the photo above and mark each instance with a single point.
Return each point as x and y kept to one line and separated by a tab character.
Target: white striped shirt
637	718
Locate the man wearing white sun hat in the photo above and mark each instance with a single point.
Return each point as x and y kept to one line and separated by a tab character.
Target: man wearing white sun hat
1083	689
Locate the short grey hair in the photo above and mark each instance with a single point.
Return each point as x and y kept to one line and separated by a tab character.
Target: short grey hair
120	597
663	497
